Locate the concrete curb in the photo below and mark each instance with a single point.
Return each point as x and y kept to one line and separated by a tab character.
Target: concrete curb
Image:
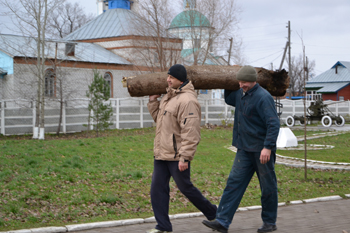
89	226
312	161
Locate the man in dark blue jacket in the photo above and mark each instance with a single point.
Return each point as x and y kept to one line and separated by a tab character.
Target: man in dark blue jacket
255	131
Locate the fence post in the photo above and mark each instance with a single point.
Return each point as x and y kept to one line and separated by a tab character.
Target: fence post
2	116
91	119
117	113
206	112
141	113
64	125
293	108
34	114
226	108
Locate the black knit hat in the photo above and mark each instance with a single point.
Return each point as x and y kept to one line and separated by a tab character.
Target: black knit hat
179	72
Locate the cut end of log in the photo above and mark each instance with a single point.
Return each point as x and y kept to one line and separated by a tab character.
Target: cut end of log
279	83
125	80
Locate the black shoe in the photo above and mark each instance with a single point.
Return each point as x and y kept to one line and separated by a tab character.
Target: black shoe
267	228
215	225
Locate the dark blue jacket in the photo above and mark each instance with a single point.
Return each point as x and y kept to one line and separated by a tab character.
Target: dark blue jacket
256	124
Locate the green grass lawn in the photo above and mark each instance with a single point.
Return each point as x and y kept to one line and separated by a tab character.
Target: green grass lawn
79	178
340	152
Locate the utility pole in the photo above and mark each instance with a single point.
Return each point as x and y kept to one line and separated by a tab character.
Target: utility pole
284	54
305	118
229	51
289	61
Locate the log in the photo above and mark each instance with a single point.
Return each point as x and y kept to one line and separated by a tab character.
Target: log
207	77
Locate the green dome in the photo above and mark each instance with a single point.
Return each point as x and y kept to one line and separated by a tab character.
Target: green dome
190	18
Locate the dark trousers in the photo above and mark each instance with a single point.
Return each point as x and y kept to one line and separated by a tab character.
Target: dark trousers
162	172
244	166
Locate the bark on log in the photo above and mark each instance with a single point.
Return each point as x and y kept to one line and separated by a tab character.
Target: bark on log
207	77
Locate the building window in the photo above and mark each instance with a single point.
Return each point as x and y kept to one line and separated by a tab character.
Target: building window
156	57
197	43
50	83
70	49
109	79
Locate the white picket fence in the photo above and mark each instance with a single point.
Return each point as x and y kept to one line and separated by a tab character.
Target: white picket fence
18	116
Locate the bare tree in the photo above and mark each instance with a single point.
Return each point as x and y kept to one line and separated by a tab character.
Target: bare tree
209	25
296	74
223	17
157	49
30	18
67	18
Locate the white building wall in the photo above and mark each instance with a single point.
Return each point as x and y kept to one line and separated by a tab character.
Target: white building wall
23	84
188	35
142	52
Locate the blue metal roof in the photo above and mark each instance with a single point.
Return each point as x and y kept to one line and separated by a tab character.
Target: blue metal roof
314	85
115	23
332	80
190	18
340	72
19	46
327	87
124	4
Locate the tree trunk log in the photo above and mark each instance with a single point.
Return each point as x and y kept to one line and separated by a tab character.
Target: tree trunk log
207	77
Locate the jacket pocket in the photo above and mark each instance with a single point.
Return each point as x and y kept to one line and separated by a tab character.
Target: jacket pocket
167	144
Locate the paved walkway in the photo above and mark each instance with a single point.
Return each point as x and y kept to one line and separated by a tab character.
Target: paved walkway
325	214
320	217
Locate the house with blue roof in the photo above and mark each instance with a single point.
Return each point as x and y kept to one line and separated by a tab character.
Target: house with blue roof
74	64
333	84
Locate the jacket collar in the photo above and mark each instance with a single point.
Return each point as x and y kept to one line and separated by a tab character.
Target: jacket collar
185	87
252	90
184	84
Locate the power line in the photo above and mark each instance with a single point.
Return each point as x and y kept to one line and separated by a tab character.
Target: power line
267	56
262	26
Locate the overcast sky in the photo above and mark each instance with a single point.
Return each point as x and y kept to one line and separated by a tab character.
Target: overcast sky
322	25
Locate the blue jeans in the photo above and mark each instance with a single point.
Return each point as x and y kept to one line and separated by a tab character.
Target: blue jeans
162	172
244	166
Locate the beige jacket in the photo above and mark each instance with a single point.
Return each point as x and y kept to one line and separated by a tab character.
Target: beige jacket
178	117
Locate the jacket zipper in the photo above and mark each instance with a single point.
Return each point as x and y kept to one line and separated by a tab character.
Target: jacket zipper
175	146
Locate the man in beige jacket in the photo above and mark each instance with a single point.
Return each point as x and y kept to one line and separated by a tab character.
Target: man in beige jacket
178	117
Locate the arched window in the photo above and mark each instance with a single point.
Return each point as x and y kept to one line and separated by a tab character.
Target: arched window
50	83
109	79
